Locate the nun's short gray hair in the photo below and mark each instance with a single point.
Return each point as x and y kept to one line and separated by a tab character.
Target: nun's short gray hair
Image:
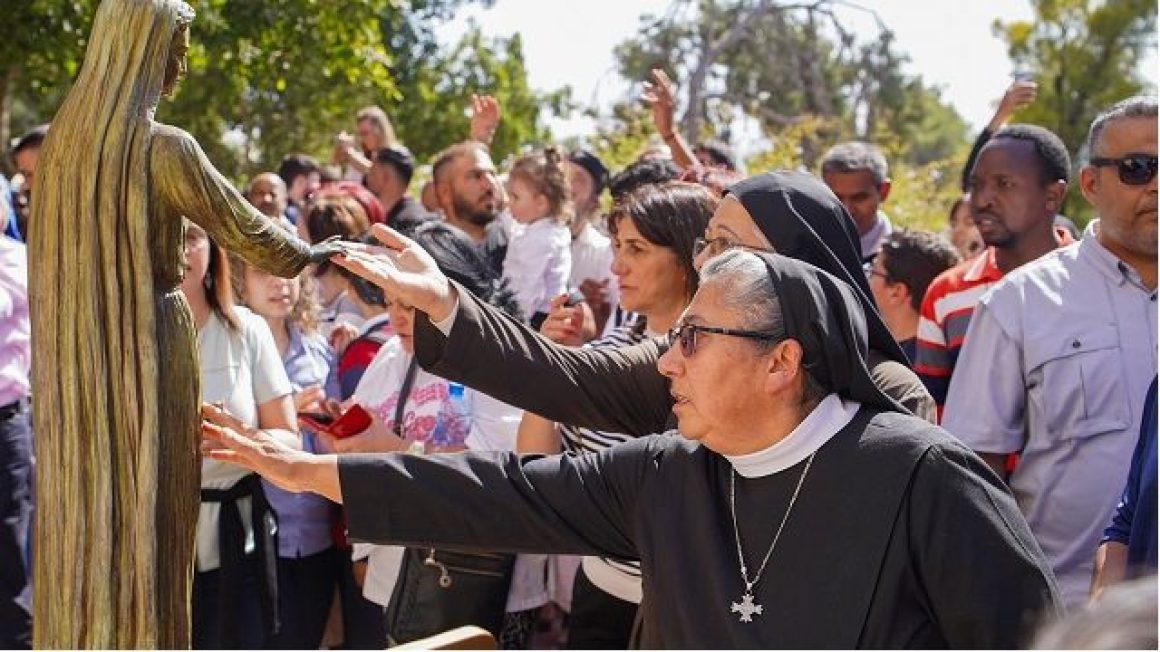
749	292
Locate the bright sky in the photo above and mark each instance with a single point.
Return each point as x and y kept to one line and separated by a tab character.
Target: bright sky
950	43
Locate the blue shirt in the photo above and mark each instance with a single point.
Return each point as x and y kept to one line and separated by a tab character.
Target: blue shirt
1134	523
7	196
304	519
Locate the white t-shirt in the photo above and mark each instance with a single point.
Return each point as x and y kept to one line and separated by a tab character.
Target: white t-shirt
495	427
431	416
241	370
592	259
428	416
538	263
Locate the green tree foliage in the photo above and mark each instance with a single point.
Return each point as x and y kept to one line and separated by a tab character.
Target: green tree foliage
1085	56
623	136
779	62
40	42
431	110
284	75
808	82
287	76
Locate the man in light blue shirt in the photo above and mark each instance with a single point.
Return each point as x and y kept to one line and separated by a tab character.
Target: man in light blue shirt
1059	355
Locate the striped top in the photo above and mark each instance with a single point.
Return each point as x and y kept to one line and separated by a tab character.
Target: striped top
946	311
618	578
944	316
584	440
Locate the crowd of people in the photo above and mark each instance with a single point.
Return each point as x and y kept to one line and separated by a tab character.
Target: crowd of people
873	435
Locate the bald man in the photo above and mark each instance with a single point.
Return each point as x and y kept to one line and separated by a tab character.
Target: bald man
267	193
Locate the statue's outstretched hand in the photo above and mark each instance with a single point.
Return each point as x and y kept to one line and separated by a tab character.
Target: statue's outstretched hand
327	248
403	269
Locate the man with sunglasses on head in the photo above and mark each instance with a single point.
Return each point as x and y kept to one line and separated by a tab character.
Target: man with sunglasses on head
1060	354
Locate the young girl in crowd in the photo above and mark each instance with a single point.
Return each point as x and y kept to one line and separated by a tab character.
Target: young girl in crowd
234	587
539	258
307	559
653	233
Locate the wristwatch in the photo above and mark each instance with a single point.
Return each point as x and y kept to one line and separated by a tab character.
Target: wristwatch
417	447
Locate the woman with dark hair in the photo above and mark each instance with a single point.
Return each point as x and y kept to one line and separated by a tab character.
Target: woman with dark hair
653	232
235	587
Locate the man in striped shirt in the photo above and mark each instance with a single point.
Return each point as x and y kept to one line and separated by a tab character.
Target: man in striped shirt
1016	186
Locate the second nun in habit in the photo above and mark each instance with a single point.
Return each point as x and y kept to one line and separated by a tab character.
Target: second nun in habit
799	507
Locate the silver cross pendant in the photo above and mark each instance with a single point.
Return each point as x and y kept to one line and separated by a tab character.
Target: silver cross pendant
746	608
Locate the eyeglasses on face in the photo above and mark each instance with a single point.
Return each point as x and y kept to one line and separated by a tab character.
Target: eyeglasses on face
1133	169
685	336
718	245
870	272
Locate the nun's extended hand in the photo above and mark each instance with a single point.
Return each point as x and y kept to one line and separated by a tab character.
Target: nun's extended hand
226	439
404	270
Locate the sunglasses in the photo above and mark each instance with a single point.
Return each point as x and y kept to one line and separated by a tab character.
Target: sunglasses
1134	169
685	336
718	245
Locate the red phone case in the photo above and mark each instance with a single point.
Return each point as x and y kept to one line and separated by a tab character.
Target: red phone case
352	422
312	422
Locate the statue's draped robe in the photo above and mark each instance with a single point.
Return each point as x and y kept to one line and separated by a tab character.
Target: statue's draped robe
116	386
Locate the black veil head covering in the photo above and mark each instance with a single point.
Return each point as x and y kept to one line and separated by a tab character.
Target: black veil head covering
825	316
803	219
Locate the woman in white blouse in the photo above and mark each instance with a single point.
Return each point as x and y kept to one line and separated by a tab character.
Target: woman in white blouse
233	605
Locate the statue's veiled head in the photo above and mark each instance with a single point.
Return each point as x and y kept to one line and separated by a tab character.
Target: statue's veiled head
176	66
136	50
175	63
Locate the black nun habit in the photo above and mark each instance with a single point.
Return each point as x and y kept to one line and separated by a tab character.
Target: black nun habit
900	537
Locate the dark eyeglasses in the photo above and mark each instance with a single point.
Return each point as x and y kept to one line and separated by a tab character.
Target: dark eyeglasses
1134	169
686	336
718	245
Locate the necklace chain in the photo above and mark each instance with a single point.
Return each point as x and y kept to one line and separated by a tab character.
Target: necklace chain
749	584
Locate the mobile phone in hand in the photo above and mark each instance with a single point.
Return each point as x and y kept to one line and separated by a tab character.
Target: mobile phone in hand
352	422
575	298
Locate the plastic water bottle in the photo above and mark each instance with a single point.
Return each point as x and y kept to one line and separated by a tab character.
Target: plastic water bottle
457	420
460	401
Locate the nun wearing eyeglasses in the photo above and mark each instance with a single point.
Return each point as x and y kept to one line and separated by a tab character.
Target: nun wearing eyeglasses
798	507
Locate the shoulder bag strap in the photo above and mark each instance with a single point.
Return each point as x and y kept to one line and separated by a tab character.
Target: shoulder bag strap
404	393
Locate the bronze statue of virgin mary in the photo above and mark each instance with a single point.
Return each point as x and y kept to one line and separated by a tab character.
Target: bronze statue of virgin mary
115	369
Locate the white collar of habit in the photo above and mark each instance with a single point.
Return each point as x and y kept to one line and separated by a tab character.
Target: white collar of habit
831	415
